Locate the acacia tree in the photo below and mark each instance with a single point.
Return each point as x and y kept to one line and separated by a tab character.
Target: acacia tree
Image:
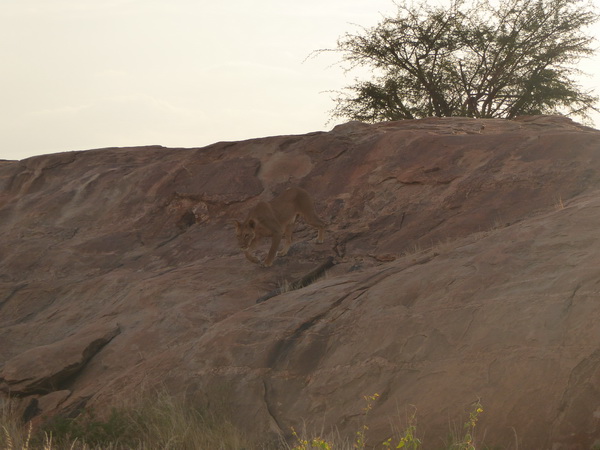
488	59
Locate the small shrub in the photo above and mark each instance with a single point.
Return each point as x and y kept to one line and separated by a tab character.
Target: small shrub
465	440
408	440
361	434
310	444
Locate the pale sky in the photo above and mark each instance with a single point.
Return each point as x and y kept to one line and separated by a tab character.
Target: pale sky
83	74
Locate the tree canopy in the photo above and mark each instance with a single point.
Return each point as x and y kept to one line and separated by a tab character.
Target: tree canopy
488	59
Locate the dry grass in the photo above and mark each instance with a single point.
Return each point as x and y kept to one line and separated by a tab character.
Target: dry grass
13	435
158	422
164	422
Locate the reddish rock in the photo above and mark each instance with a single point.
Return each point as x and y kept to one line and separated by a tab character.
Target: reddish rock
467	269
46	368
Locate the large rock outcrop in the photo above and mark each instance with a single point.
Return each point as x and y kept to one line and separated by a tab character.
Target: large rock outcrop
467	268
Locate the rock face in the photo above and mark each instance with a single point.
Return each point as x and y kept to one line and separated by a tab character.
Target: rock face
466	269
41	369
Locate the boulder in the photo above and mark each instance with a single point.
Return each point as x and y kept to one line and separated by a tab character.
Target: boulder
47	368
465	271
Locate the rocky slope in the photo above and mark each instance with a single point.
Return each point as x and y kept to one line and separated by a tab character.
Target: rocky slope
466	268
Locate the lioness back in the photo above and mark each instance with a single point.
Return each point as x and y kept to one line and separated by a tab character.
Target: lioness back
291	202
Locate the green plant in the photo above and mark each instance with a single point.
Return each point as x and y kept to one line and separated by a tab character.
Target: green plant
361	434
408	440
309	444
466	440
360	438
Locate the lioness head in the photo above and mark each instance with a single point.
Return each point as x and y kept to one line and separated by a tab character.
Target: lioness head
246	233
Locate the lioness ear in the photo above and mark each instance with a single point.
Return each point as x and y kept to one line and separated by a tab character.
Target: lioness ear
238	224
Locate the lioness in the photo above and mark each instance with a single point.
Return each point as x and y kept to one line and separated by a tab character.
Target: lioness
276	219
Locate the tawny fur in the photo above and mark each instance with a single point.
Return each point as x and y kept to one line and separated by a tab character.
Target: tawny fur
275	219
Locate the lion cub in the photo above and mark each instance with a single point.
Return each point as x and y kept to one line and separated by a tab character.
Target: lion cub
276	219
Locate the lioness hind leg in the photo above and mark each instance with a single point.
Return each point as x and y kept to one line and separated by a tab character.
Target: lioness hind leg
289	228
311	218
314	221
321	235
274	246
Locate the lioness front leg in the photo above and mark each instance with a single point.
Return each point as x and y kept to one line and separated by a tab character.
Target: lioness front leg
273	250
248	252
250	257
